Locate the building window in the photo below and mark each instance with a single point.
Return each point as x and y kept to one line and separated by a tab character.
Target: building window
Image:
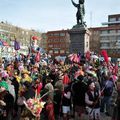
118	42
104	32
105	45
112	31
62	34
118	18
50	34
112	19
118	31
23	32
56	51
86	44
62	51
50	46
56	34
56	45
113	38
26	33
50	51
118	38
104	38
67	52
62	40
50	40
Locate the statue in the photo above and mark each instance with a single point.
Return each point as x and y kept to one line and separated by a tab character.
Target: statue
80	12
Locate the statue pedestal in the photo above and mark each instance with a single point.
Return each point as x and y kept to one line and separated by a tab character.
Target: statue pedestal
79	39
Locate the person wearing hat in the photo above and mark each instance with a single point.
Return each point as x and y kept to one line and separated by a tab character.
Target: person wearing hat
116	109
58	98
10	69
66	102
92	101
79	89
26	76
7	101
49	102
3	86
17	76
28	90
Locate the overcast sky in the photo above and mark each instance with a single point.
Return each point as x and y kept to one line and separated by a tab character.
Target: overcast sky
47	15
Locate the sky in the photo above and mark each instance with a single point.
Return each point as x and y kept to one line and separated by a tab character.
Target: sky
48	15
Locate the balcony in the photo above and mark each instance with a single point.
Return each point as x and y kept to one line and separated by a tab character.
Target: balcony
110	34
103	41
104	47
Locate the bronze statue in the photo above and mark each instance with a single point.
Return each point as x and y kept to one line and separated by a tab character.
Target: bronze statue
80	11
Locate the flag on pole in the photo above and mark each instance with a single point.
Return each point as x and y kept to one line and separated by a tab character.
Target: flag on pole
16	45
105	55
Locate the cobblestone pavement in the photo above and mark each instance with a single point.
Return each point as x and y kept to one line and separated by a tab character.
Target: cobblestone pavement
85	117
103	116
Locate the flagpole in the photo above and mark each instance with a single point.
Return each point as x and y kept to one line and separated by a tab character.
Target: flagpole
30	44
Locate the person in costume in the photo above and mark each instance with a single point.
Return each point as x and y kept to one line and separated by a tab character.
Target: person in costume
6	102
66	102
92	101
79	89
26	76
49	103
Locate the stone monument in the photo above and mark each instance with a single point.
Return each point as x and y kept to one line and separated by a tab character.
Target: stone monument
79	34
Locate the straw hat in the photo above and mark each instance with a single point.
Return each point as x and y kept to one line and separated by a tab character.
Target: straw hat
25	72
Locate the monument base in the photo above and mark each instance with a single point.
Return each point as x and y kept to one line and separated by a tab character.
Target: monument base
79	38
79	25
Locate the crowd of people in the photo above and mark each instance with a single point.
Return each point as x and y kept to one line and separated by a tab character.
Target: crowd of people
70	88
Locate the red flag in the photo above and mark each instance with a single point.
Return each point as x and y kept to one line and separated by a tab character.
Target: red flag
66	79
39	87
105	55
88	55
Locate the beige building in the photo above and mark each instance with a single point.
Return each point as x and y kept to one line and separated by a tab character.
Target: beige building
22	35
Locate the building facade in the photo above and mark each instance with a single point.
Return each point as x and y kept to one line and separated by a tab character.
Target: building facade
94	39
58	42
23	36
43	42
107	37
